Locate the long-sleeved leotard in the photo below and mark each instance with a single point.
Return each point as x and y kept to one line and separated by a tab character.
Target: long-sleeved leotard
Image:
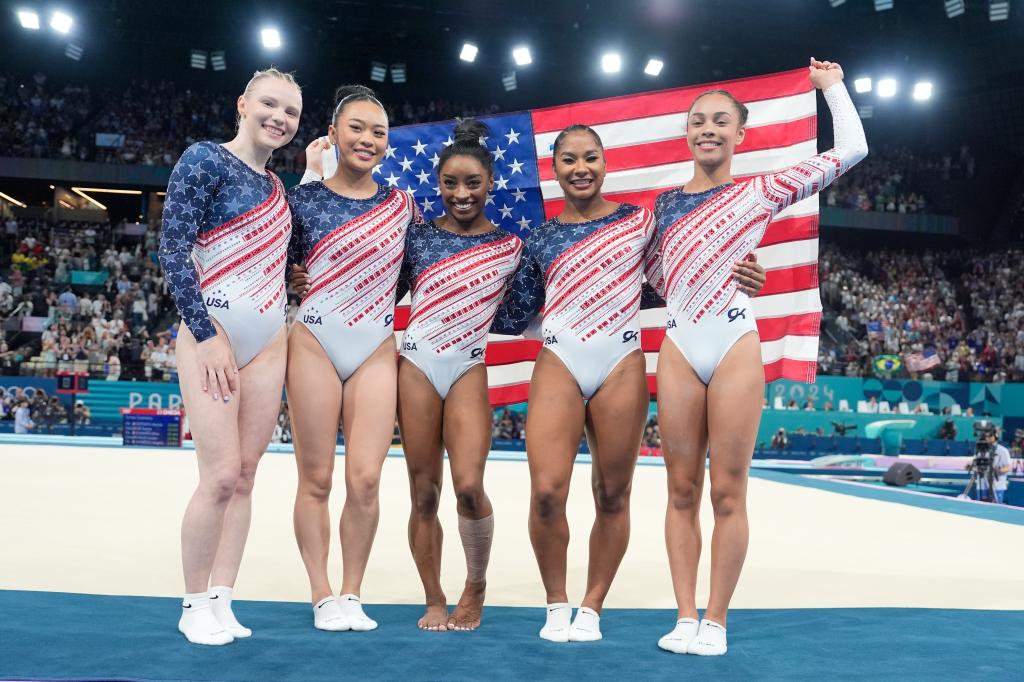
702	235
457	283
223	247
353	250
587	279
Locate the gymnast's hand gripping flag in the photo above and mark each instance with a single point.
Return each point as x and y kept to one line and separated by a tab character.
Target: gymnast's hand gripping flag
646	152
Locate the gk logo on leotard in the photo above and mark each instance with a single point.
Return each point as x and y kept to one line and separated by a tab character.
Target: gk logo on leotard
735	313
550	340
312	319
629	336
388	319
477	353
217	303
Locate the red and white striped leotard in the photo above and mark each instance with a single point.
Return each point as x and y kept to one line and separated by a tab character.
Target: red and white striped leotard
703	235
353	250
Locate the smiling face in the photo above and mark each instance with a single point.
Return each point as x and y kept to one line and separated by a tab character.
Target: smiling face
714	128
270	112
579	165
361	134
464	184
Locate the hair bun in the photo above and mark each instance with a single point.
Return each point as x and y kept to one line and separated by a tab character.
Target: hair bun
344	91
470	130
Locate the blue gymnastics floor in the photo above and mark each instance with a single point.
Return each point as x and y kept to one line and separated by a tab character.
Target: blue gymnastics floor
61	636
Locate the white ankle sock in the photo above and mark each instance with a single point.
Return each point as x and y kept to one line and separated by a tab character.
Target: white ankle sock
220	602
198	623
710	640
679	639
352	609
327	615
586	627
556	628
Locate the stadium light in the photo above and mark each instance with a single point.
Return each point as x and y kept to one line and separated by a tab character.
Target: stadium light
522	55
862	84
866	110
197	59
398	73
882	5
28	19
9	198
922	90
836	3
378	72
271	38
654	67
74	52
611	62
508	79
955	8
998	10
887	87
468	53
60	22
218	61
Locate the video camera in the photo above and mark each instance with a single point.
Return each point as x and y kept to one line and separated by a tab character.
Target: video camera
984	449
840	429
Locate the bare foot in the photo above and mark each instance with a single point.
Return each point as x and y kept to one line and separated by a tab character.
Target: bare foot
434	618
467	614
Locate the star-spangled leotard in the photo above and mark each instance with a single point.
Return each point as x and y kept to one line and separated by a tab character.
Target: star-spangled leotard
587	279
223	248
353	251
457	283
702	235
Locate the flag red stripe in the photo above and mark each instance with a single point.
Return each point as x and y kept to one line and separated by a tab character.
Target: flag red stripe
788	368
511	352
773	328
677	151
627	107
785	280
790	230
509	395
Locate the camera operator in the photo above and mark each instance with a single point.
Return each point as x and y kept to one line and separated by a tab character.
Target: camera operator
947	431
989	449
83	415
780	441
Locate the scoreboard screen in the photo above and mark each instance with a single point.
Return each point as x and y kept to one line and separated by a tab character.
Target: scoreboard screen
152	427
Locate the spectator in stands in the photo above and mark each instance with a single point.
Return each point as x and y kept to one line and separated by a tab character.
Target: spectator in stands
22	417
82	413
947	431
809	405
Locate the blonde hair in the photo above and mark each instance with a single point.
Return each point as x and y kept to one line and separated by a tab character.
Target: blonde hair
271	72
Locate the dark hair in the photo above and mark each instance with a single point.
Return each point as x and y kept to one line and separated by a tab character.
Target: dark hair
468	132
574	128
741	108
346	94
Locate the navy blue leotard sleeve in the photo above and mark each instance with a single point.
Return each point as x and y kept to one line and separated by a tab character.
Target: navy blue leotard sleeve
194	181
524	299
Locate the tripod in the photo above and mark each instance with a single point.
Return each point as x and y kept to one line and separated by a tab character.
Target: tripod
981	473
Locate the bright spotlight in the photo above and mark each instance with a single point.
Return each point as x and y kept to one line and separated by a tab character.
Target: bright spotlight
654	67
468	53
271	38
611	62
887	87
522	55
998	10
955	8
862	84
28	19
60	22
922	90
882	5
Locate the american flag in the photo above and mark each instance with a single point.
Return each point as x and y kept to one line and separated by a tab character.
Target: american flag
646	153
